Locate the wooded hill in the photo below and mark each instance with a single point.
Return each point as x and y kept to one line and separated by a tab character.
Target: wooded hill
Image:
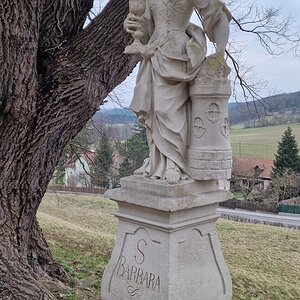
274	110
115	116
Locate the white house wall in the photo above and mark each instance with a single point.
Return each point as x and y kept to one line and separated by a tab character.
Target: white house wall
78	176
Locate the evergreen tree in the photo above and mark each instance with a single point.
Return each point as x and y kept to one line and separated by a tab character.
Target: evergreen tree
287	156
134	151
59	173
141	131
125	168
103	162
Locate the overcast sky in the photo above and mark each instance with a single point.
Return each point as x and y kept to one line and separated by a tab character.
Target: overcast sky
282	73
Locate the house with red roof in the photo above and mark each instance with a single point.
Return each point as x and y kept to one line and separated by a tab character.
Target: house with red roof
248	171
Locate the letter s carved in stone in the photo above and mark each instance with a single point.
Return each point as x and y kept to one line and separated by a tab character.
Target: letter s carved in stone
142	258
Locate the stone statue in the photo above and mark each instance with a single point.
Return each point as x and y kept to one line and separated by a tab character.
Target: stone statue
167	246
172	56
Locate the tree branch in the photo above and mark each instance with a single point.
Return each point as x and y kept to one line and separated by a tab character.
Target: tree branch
276	34
80	78
61	21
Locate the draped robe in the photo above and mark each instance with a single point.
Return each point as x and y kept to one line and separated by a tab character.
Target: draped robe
174	54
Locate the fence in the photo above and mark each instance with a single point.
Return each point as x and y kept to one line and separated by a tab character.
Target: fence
252	206
255	206
73	189
289	209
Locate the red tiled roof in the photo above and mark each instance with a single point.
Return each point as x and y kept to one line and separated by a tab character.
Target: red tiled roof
245	167
89	156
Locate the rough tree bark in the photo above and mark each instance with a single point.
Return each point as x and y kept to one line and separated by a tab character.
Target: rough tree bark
53	76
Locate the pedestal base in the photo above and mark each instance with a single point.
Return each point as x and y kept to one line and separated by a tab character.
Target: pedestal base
167	247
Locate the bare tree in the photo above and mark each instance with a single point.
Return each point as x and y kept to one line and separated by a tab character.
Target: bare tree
276	33
54	75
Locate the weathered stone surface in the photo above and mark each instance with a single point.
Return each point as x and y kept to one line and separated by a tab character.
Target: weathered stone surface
158	194
166	248
209	155
174	55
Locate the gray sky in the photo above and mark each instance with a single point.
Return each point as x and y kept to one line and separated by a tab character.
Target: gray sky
282	73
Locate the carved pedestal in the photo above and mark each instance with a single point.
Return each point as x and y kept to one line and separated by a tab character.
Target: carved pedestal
167	247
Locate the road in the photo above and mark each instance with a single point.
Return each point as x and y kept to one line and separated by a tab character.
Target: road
257	217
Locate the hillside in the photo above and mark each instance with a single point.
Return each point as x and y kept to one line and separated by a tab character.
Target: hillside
274	110
115	116
259	143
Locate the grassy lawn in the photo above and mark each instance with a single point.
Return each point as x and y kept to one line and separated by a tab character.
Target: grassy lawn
264	261
238	195
259	143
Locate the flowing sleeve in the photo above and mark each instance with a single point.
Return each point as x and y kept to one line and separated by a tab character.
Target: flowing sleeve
211	11
196	47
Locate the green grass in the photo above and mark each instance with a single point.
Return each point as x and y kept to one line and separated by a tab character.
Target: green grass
259	143
80	231
238	195
264	261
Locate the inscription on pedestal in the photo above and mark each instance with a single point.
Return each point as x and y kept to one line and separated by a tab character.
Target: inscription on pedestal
137	270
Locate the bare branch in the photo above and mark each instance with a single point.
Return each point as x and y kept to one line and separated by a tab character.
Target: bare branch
276	33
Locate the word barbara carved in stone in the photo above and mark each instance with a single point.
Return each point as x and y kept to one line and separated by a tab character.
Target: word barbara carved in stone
138	276
135	272
173	55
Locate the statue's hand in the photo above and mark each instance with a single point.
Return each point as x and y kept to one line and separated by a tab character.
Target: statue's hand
132	23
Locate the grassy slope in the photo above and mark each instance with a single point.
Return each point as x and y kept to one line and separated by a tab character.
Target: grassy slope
81	232
264	261
259	143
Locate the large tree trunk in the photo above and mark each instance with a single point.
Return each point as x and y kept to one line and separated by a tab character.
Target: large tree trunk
54	75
